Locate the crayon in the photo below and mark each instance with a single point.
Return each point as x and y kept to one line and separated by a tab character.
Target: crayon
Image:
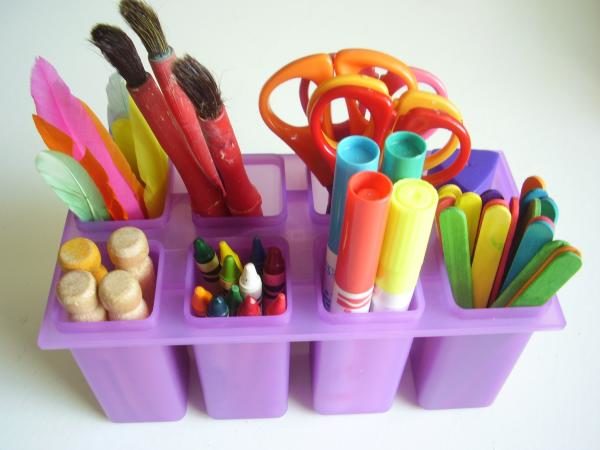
258	255
206	261
225	250
274	273
229	274
217	307
121	295
81	254
354	154
234	299
76	291
200	300
128	249
250	283
367	205
249	307
412	212
276	307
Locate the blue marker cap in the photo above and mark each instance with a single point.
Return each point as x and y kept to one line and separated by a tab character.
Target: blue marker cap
354	154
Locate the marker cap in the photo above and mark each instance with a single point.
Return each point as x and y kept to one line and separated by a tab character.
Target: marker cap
403	155
354	154
365	217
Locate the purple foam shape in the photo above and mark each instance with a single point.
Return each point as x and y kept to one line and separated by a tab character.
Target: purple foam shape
478	173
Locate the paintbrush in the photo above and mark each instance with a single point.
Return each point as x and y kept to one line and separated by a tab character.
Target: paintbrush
119	50
242	199
144	21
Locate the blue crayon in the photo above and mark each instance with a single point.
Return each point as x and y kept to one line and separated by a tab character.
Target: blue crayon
258	255
217	307
354	154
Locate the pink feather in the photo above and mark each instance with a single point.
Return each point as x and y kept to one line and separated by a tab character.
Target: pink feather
55	104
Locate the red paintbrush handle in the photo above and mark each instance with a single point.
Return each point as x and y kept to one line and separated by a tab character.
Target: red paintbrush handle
206	199
242	197
185	114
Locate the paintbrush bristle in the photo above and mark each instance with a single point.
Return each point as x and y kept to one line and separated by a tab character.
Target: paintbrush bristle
200	86
143	20
120	51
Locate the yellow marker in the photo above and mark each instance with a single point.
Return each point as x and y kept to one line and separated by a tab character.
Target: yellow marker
224	250
411	215
81	254
470	203
488	251
450	190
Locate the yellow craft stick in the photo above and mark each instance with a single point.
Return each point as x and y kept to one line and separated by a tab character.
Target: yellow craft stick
152	162
450	190
470	203
488	251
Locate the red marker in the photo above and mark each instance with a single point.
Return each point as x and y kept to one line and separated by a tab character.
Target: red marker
273	274
249	307
277	306
367	205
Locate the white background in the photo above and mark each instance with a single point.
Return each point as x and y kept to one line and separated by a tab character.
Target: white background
526	75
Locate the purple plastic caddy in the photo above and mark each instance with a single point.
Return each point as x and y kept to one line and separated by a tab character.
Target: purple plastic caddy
139	371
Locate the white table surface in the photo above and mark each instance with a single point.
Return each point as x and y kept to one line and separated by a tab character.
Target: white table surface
525	74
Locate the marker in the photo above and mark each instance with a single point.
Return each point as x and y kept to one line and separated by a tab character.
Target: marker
200	300
403	155
258	255
277	306
206	260
229	274
412	212
354	154
217	307
274	273
234	299
250	283
493	231
249	307
81	254
225	250
367	205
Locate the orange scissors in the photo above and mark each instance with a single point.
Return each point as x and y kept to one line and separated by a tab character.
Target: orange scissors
323	68
415	111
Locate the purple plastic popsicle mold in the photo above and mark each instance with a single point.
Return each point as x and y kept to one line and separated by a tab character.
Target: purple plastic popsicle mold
455	350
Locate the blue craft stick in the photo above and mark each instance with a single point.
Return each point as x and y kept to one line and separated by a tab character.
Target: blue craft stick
549	209
533	194
538	233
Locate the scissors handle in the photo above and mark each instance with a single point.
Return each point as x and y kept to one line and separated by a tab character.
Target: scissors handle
420	99
419	120
316	68
378	103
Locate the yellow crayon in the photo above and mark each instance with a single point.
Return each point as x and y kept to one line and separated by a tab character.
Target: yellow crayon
224	250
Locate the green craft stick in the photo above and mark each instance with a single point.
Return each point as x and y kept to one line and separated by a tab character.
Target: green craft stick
532	266
553	277
549	209
455	244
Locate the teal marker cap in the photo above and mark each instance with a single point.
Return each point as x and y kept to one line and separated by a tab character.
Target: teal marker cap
403	155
